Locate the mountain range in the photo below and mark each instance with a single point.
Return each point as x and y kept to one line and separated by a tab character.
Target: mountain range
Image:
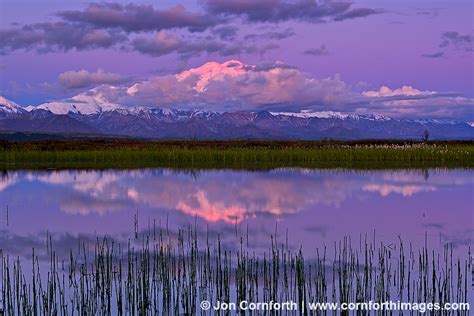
95	116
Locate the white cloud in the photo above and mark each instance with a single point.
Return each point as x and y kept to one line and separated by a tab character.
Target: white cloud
409	102
385	91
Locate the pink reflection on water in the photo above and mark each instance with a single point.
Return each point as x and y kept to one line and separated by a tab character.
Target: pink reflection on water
315	207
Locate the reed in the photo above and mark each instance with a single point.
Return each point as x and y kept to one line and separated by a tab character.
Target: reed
166	274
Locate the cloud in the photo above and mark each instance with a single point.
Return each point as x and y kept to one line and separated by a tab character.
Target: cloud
233	85
452	41
267	66
320	51
437	107
275	35
433	55
49	36
163	43
278	87
385	91
226	32
431	13
7	180
83	78
137	18
82	204
212	211
86	191
131	27
414	103
275	11
226	196
356	13
404	190
427	13
268	47
457	41
206	196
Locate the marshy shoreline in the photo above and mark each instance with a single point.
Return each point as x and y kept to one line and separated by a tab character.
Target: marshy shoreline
157	271
107	154
164	274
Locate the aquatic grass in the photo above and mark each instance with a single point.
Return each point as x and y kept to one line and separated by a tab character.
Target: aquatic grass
169	274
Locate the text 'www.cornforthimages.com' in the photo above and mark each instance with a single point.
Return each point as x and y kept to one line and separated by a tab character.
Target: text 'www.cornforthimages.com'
327	306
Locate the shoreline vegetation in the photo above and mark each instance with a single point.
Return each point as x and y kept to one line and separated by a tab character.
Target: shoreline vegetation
161	273
109	154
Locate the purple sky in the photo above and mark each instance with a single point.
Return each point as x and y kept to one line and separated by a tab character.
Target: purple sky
360	46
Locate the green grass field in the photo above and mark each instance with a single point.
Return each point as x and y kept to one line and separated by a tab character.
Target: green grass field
238	154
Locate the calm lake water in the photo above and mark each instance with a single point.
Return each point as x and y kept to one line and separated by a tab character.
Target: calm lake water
304	208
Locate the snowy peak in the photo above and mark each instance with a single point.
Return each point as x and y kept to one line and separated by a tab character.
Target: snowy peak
10	107
212	71
70	108
87	103
310	114
331	114
8	103
91	112
84	114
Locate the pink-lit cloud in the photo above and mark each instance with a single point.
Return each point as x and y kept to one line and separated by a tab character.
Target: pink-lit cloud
228	197
233	85
213	211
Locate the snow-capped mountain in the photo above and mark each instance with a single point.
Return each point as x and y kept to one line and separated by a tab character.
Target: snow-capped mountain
210	71
310	114
96	115
8	107
87	103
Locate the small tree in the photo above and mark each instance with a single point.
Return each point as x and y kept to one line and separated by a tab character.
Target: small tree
425	135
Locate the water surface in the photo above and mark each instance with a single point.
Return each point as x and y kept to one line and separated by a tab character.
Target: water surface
304	208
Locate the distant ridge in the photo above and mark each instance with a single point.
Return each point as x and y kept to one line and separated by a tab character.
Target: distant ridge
99	118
